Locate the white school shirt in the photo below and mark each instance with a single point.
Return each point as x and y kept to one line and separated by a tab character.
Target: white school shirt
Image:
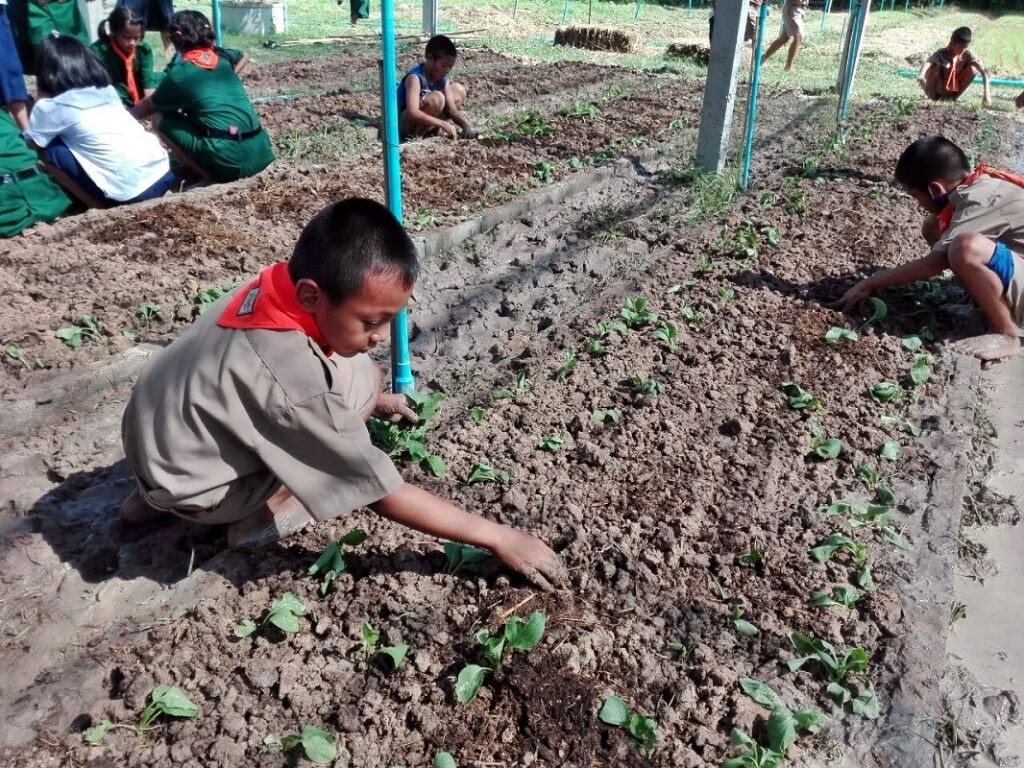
121	157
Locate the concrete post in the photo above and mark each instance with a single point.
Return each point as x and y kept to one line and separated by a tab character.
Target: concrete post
430	17
720	89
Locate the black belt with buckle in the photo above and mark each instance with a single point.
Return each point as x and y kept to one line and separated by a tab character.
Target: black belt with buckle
10	178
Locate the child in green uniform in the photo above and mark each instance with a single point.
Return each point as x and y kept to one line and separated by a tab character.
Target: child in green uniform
123	51
27	195
61	16
201	108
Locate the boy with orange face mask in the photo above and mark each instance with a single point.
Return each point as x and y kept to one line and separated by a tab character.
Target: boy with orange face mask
951	70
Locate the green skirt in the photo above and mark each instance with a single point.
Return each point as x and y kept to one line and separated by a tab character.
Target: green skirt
222	159
29	201
61	16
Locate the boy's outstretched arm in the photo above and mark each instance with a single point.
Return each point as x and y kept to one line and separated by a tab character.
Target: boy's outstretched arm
919	269
424	512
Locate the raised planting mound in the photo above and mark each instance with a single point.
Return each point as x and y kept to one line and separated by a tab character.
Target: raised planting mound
693	51
595	39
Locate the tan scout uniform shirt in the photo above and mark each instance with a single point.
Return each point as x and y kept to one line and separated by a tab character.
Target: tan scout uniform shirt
993	208
222	408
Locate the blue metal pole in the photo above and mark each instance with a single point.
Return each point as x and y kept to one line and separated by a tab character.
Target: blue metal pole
851	60
401	367
639	5
906	6
689	7
216	21
825	12
565	12
752	97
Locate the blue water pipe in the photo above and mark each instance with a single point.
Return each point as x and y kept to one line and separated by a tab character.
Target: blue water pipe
752	97
216	21
689	7
906	6
851	58
565	12
401	367
639	6
825	11
995	81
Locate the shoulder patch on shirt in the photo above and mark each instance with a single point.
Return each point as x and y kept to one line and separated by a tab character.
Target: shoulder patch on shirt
247	305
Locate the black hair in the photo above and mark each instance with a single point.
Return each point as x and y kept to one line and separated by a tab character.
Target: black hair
122	16
962	35
349	240
440	46
931	158
190	30
63	64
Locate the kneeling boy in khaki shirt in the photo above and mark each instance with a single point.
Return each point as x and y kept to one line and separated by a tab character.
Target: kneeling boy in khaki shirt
255	416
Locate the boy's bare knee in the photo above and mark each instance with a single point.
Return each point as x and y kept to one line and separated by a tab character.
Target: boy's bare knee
433	103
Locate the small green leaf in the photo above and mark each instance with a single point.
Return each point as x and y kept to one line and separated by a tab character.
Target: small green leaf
477	415
829	449
246	628
886	392
524	635
879	311
866	704
396	653
745	628
435	464
463	557
838	693
781	730
614	711
370	637
468	684
317	744
172	701
354	537
810	720
760	693
889	450
835	336
911	343
444	760
98	732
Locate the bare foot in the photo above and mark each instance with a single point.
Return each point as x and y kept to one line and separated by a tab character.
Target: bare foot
135	510
991	346
279	518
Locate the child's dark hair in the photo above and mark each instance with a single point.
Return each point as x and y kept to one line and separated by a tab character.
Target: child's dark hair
190	30
440	46
122	16
931	158
349	240
962	35
63	64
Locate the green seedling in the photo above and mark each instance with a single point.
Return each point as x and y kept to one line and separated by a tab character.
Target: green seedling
683	651
167	701
463	557
889	450
607	327
636	314
444	760
317	745
516	635
911	343
836	336
886	392
485	473
645	386
921	371
784	723
371	646
826	448
668	335
691	316
205	299
147	312
643	731
755	558
841	670
725	294
568	365
400	441
772	236
837	543
575	163
891	422
869	475
544	172
330	565
879	311
957	612
799	398
424	218
876	516
551	443
520	390
595	348
477	414
842	597
18	354
753	755
97	733
680	287
283	613
580	110
740	624
604	415
86	329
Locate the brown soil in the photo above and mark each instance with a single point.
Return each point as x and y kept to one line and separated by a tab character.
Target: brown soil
595	39
651	514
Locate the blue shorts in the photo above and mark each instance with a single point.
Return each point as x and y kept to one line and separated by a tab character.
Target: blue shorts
1002	264
12	78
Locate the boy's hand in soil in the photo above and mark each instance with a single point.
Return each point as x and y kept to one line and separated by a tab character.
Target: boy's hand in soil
469	132
394	408
855	295
449	130
416	508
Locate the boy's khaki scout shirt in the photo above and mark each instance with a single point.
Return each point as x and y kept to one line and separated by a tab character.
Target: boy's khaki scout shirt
990	207
221	404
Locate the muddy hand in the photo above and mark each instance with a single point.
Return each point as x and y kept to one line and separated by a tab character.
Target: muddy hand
855	296
395	408
469	133
533	558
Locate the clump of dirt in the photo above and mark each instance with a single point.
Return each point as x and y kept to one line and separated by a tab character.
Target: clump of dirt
595	39
697	52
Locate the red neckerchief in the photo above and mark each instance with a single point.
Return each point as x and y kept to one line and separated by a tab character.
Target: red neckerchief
951	79
204	58
946	214
128	59
268	303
